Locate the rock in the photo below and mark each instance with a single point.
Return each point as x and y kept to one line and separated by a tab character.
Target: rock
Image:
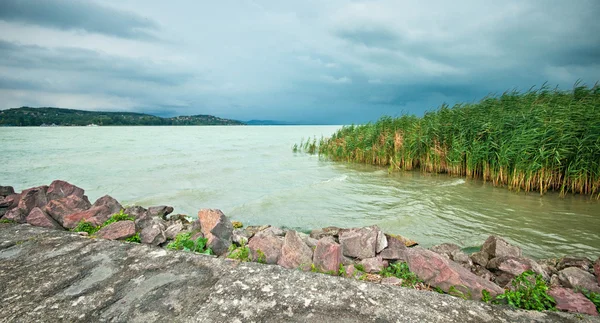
554	281
117	230
362	243
153	234
327	256
445	249
311	242
237	224
574	261
374	265
33	197
179	217
392	281
407	242
96	215
372	278
113	205
61	208
497	247
59	189
270	246
597	269
570	301
254	229
136	211
462	258
173	230
37	217
333	232
160	211
239	237
506	268
574	277
480	257
10	201
6	190
271	230
482	272
295	253
217	228
549	265
438	271
17	215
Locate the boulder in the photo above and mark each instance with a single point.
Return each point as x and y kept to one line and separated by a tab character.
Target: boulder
254	229
59	189
6	190
17	214
10	201
174	229
570	301
497	247
441	272
59	209
31	198
374	265
117	230
37	217
574	277
574	261
597	270
160	211
482	272
462	258
179	217
295	253
136	211
480	258
113	205
445	249
549	265
217	228
271	230
326	232
96	215
362	243
506	268
311	242
239	236
395	250
269	245
154	233
327	256
407	242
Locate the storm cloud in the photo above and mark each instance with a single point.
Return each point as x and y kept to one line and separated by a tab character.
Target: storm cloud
311	62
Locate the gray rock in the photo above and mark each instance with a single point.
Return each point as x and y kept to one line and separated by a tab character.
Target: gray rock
332	232
574	261
574	277
153	235
480	258
123	282
392	281
160	211
253	229
269	230
217	228
396	249
361	243
295	253
136	211
240	237
462	258
6	190
174	229
497	247
445	249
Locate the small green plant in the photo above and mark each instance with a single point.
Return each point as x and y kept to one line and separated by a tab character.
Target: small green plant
260	257
342	271
313	268
401	270
237	224
592	296
241	253
438	290
136	238
184	242
486	296
83	226
7	221
529	292
359	267
121	216
457	293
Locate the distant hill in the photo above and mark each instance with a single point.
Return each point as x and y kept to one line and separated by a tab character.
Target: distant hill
26	116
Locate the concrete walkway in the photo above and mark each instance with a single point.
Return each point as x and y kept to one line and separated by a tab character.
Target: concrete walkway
48	275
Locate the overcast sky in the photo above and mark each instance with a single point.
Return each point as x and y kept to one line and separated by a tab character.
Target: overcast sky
330	61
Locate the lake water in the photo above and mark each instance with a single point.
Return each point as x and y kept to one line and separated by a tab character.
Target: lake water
252	175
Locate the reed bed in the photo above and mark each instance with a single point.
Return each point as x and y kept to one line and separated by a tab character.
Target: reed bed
539	140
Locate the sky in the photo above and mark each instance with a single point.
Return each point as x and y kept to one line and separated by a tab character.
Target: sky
321	62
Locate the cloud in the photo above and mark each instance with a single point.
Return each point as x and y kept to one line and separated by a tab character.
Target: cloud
79	15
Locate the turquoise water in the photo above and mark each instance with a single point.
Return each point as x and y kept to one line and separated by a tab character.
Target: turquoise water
252	175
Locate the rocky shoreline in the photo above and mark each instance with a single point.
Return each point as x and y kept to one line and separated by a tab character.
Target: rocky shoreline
365	253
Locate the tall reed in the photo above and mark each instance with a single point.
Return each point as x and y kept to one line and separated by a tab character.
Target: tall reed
539	140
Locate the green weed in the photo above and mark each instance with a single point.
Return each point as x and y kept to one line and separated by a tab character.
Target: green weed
401	270
529	292
592	296
183	242
136	238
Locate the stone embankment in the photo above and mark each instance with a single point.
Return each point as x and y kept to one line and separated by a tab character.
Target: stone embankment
96	289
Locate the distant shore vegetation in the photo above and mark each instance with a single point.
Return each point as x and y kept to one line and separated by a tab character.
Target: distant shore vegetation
26	116
540	140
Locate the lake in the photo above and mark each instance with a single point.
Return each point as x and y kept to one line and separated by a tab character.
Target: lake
251	173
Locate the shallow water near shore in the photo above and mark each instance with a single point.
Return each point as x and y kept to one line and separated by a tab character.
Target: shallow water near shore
252	175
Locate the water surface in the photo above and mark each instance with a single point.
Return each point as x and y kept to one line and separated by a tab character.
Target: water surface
252	175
